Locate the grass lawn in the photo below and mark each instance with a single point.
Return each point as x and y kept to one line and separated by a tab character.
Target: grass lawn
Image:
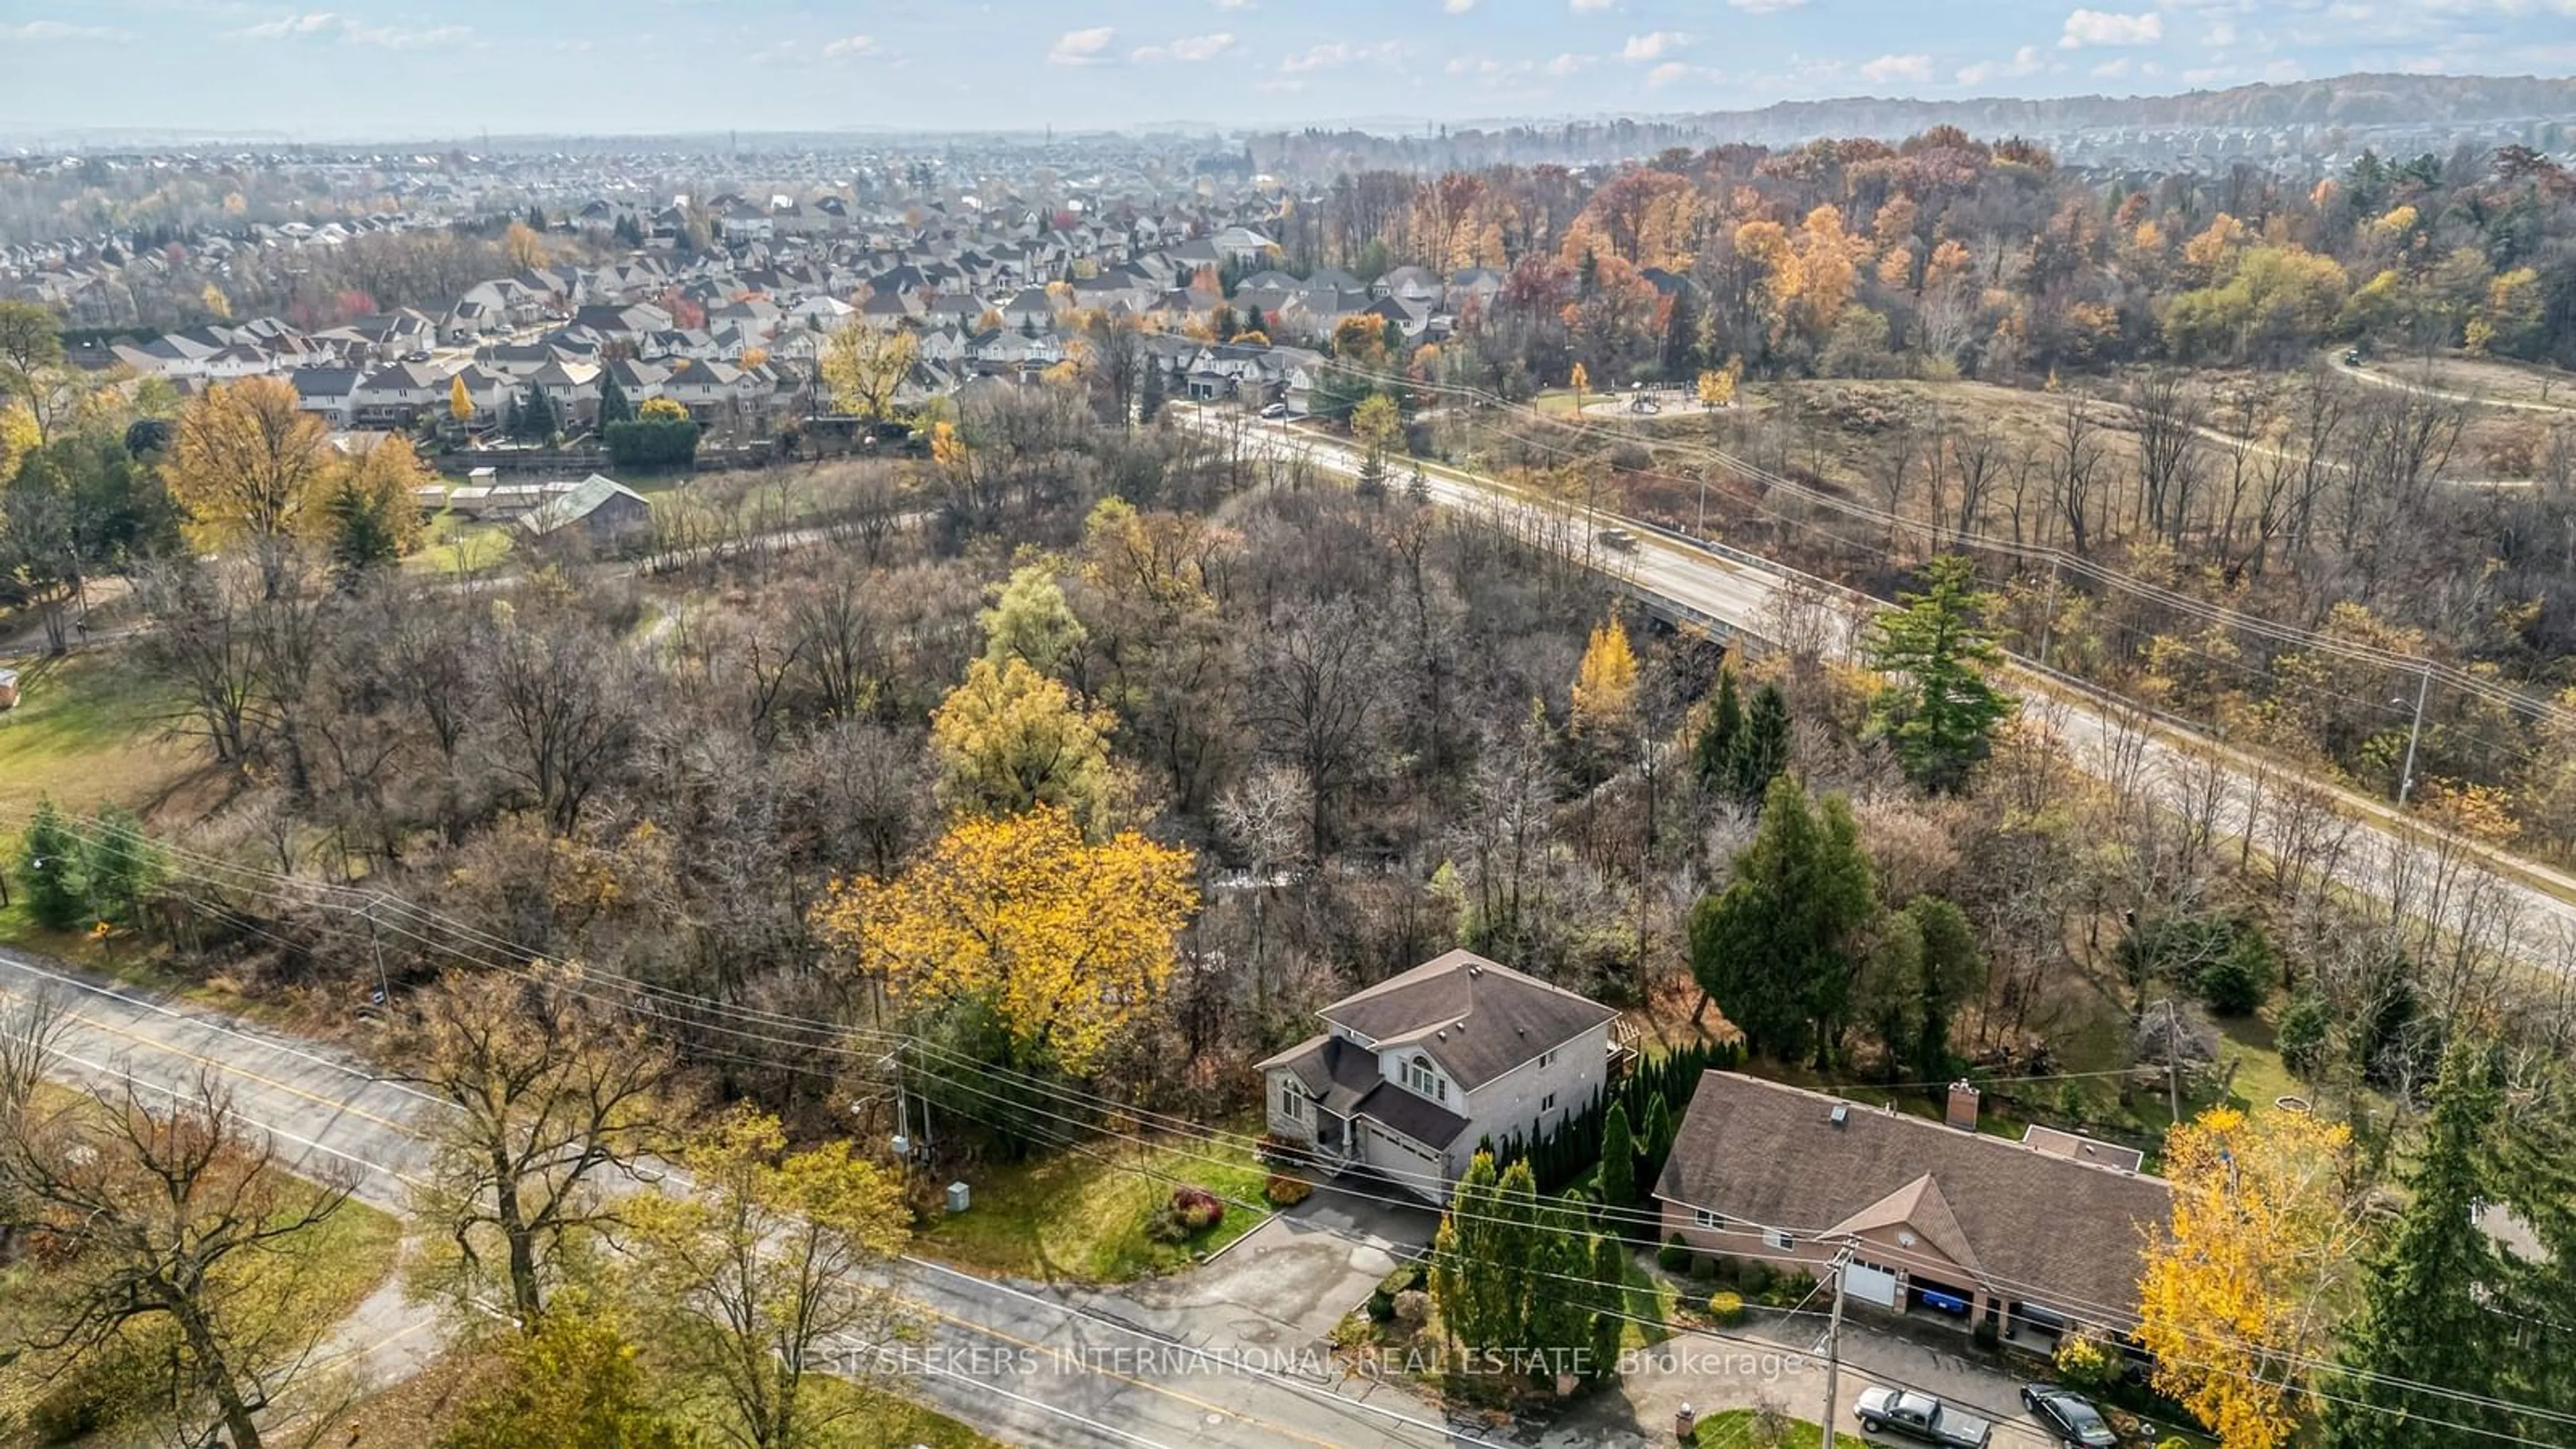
1081	1216
453	545
90	730
1743	1429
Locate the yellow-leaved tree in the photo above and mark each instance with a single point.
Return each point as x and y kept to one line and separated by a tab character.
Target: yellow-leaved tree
460	403
248	464
1605	683
1011	738
2261	1264
863	368
662	410
1062	939
1717	384
1377	424
1578	380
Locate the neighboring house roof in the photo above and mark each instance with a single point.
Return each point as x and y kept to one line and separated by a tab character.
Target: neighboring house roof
2032	1224
579	502
1477	1019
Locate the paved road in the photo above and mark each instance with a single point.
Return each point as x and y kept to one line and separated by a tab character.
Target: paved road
1021	1364
2379	855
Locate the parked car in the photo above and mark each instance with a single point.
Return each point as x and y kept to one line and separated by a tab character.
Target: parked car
415	357
2352	357
2069	1416
1275	410
1618	538
1923	1417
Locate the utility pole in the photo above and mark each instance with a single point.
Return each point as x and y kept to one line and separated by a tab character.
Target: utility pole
1834	1343
376	949
2414	732
2173	1063
2048	618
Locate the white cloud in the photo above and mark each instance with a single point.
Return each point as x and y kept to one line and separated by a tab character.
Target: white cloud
2110	27
1233	4
1457	7
291	25
1765	7
2222	34
350	31
850	45
1337	53
1897	67
2025	61
1566	63
38	31
2112	69
1673	71
396	38
1654	45
1187	48
1081	47
1587	7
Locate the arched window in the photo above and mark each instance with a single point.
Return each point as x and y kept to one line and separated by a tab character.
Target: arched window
1422	1077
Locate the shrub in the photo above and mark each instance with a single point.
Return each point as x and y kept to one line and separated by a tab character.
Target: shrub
2237	982
1279	1151
2302	1035
1725	1309
1754	1280
1412	1308
1704	1269
651	443
1674	1256
1285	1191
1197	1208
1985	1336
2083	1362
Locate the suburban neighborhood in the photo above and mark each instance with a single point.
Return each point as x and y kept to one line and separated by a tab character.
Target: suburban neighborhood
721	732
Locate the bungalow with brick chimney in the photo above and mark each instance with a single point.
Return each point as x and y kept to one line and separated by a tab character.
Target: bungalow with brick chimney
2043	1234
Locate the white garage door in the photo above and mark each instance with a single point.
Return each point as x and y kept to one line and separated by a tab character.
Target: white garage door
1870	1285
1416	1168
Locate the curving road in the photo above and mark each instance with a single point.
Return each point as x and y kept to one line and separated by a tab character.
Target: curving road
1018	1364
2520	908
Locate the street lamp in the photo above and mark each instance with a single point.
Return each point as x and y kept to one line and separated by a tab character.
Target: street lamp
2414	733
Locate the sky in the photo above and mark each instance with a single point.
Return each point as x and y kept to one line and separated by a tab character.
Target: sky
463	67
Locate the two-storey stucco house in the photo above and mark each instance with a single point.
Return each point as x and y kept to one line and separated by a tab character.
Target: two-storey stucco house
1410	1074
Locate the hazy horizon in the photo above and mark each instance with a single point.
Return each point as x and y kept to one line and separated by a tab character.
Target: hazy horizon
235	68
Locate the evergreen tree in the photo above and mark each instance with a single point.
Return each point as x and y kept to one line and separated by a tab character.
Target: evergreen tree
1513	1268
534	422
119	865
1940	712
2424	1316
1714	752
1560	1320
49	861
1609	1302
1761	749
1618	1159
1417	489
1953	970
1464	1253
360	536
1659	1140
1149	397
1775	950
536	217
613	404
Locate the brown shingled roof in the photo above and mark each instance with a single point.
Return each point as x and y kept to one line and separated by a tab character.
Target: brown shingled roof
1477	1018
2030	1224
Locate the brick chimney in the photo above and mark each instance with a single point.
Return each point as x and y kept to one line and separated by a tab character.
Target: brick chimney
1963	1107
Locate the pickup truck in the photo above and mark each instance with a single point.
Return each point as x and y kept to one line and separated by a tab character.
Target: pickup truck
1920	1416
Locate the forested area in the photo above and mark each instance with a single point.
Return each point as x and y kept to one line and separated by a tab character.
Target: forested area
2219	441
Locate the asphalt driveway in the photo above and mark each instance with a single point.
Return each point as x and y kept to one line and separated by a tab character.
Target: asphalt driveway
1286	1283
